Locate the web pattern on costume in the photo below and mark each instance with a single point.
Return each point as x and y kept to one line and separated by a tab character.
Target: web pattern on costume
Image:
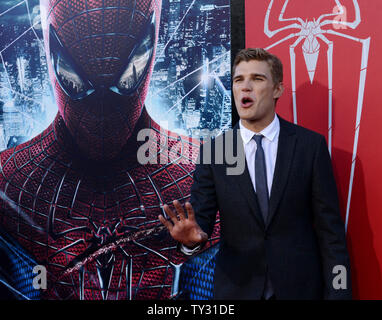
65	218
16	271
197	276
66	215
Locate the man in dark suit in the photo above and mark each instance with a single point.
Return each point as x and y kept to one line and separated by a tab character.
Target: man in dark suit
282	235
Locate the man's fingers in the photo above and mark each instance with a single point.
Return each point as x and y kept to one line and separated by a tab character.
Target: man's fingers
190	211
165	222
203	236
170	213
179	209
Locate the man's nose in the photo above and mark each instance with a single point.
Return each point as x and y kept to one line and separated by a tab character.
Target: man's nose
246	86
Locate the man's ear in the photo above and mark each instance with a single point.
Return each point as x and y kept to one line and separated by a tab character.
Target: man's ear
278	90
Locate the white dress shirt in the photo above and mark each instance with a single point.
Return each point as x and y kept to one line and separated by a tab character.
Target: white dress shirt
269	144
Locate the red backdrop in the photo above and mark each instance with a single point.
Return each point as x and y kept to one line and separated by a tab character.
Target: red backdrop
364	216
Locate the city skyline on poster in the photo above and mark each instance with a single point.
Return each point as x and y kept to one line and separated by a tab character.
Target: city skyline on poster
190	87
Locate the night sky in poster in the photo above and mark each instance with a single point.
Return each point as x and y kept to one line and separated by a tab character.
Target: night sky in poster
190	87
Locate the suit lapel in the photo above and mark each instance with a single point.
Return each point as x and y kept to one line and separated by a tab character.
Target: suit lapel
285	150
245	183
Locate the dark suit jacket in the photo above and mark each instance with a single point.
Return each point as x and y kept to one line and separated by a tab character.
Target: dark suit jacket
304	237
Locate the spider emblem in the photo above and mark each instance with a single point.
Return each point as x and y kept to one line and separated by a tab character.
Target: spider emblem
310	33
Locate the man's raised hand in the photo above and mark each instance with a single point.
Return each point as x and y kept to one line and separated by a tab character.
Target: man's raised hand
183	229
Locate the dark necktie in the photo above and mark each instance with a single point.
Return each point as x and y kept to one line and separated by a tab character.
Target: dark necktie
263	197
261	178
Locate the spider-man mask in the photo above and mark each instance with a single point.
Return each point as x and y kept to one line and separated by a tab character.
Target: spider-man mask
100	56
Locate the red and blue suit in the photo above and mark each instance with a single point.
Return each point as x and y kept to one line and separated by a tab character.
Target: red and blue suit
75	199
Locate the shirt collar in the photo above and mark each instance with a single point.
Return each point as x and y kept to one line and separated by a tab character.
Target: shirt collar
268	132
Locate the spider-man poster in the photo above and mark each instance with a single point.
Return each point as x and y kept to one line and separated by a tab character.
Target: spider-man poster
79	81
330	50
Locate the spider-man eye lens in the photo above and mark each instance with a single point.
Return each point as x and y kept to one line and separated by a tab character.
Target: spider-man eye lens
67	73
138	63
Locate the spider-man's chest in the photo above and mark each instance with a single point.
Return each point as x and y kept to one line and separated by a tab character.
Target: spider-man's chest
95	231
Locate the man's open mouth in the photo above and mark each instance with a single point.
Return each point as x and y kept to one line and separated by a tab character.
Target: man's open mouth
246	101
